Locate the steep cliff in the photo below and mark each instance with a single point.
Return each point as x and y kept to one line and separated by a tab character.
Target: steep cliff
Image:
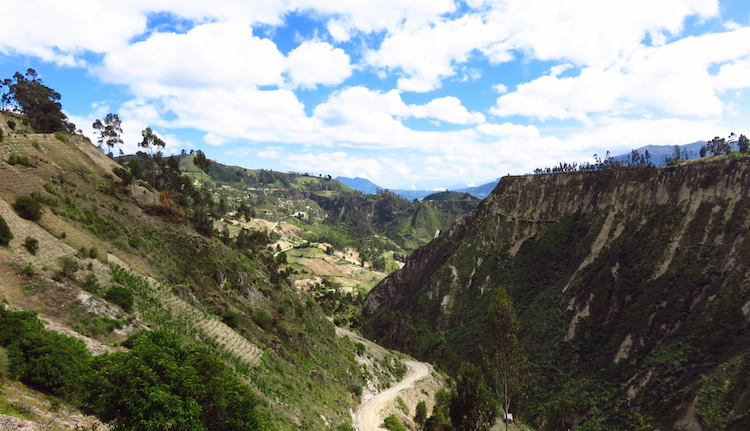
632	288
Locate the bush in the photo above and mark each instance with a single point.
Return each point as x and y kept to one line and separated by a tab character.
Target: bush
121	296
159	384
69	267
5	234
43	359
91	283
263	319
393	424
28	208
31	244
12	124
17	159
50	361
231	319
27	271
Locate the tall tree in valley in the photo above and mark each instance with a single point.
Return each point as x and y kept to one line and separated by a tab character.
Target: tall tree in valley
508	363
472	406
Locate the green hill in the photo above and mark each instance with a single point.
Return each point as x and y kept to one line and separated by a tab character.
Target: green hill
116	254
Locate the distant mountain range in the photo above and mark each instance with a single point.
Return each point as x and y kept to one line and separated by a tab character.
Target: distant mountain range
658	153
368	187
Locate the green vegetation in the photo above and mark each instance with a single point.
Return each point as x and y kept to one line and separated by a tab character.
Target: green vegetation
392	423
31	244
121	296
420	414
39	103
23	160
610	328
28	208
5	233
159	383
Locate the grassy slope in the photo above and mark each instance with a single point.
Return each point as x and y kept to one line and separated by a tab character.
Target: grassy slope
306	373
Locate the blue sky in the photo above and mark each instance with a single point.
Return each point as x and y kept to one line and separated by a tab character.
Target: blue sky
409	94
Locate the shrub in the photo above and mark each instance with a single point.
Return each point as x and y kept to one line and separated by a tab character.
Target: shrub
27	271
28	208
12	124
69	267
31	244
121	296
91	283
159	384
231	319
50	361
263	319
17	159
1	135
393	424
5	234
44	359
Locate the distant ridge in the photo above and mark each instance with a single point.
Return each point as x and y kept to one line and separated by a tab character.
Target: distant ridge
659	153
368	187
658	156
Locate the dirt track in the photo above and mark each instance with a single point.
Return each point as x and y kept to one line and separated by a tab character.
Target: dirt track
368	413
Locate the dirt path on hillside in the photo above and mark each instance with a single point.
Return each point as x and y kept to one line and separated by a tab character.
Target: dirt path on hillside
367	416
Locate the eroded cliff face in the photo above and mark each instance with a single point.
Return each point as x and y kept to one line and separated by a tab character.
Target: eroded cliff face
632	287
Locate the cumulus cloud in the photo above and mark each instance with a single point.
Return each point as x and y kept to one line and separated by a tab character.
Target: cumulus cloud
214	54
426	54
675	78
314	63
448	109
593	32
59	32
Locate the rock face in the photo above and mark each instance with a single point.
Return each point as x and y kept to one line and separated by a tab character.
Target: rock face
632	288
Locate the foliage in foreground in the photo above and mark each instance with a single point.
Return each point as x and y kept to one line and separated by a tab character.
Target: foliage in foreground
158	384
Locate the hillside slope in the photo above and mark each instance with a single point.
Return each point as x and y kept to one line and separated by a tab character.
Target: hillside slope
631	286
98	235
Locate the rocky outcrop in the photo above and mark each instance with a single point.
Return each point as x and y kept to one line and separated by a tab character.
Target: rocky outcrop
632	287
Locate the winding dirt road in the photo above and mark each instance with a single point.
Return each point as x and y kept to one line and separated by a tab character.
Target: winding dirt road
367	414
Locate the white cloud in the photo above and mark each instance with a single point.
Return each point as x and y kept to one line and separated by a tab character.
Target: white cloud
314	63
214	139
675	78
214	54
59	31
594	32
368	16
509	130
448	109
426	54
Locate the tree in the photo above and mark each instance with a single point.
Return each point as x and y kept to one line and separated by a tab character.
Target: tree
472	406
27	95
420	414
109	131
201	161
507	360
150	143
744	144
